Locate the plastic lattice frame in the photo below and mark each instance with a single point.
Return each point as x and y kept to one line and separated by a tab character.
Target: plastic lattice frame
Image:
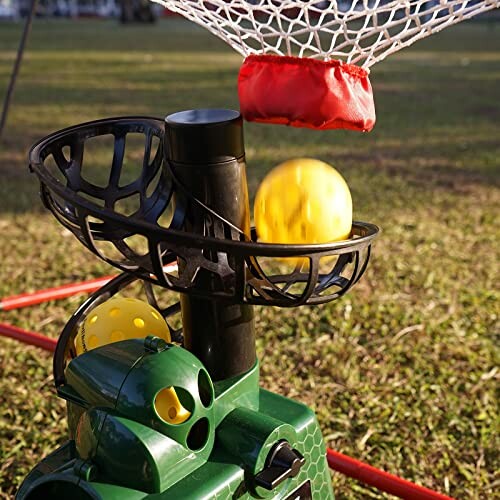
360	32
136	238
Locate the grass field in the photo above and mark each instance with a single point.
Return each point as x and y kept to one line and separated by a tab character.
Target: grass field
402	371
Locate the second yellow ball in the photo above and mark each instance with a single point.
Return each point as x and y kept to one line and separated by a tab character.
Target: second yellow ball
119	319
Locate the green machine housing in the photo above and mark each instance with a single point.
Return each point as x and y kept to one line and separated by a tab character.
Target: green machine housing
239	442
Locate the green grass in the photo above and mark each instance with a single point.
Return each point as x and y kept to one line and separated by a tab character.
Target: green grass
402	371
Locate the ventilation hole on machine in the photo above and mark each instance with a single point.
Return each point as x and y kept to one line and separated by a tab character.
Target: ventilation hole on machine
174	405
198	435
205	389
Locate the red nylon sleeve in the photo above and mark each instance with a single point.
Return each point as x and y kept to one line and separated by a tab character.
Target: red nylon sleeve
305	92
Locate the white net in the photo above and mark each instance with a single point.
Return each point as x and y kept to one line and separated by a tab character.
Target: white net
360	32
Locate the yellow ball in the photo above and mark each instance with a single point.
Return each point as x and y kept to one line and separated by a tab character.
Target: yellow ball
169	407
119	319
303	201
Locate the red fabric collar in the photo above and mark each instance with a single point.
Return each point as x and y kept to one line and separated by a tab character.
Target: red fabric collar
303	92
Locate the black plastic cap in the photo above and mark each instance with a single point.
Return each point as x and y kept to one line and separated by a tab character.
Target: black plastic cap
204	136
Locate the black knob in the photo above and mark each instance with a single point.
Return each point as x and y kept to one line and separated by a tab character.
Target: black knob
282	462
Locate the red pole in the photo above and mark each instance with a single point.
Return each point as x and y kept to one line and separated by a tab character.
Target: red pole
60	292
379	479
27	337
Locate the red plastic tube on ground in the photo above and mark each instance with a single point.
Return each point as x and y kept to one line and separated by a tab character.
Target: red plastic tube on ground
304	92
379	479
60	292
31	338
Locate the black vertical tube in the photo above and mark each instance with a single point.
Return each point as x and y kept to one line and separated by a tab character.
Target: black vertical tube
205	150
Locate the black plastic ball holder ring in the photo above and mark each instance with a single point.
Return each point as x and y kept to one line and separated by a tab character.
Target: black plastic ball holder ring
132	216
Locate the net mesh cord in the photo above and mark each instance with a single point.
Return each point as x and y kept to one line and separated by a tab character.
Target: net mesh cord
360	32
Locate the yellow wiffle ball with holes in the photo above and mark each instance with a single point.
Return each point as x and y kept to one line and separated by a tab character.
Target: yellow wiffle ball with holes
303	201
119	319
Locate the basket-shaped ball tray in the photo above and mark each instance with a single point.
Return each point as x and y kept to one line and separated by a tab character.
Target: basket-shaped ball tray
108	183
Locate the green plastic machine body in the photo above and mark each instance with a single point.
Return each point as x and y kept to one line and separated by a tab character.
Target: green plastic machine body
121	448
